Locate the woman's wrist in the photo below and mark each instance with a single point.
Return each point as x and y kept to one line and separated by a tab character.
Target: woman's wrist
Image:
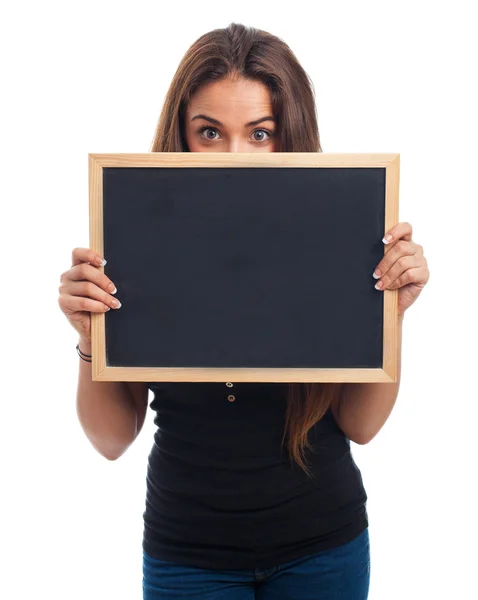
85	346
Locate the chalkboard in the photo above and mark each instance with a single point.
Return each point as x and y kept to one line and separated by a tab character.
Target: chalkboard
244	267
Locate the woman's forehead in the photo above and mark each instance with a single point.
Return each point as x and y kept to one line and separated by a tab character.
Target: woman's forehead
228	98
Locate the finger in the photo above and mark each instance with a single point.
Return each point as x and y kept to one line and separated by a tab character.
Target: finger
86	272
398	231
417	276
394	277
394	252
71	304
88	289
86	255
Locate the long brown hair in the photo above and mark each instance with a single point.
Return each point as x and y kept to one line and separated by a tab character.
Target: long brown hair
253	54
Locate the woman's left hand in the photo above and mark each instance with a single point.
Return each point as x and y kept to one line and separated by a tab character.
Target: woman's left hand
403	266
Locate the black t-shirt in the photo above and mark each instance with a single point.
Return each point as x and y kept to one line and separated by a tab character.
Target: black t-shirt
222	493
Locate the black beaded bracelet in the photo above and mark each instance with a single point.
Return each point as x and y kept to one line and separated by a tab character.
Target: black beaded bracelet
81	351
82	354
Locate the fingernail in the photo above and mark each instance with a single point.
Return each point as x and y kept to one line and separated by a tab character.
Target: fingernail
112	288
387	238
101	262
376	274
116	303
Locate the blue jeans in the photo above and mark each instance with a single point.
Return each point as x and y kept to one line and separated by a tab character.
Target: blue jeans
342	573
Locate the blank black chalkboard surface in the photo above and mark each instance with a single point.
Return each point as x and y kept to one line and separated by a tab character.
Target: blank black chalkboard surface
244	266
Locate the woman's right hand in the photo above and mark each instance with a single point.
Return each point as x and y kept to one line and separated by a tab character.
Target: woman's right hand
84	289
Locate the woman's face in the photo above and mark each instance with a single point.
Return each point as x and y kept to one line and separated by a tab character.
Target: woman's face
224	116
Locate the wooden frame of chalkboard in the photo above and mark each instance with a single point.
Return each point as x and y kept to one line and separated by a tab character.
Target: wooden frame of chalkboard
279	286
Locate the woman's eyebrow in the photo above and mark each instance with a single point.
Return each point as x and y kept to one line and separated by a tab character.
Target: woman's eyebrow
250	124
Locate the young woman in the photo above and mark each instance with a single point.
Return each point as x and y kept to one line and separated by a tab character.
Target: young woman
252	491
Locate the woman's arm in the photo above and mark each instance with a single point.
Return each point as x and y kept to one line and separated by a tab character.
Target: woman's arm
107	410
363	408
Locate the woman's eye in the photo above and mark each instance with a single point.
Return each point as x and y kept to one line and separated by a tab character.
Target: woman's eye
203	129
263	131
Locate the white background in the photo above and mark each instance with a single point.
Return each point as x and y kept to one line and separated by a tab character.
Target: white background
91	77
